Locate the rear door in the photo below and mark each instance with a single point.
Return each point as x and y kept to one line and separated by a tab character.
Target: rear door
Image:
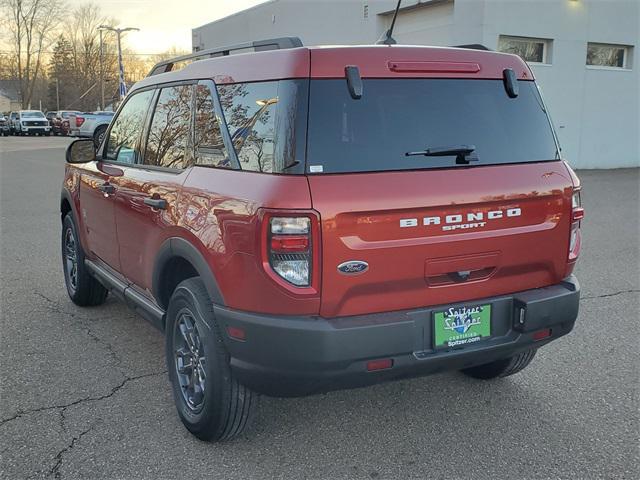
434	229
146	207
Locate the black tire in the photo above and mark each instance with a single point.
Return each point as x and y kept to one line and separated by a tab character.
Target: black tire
98	135
503	367
219	408
83	289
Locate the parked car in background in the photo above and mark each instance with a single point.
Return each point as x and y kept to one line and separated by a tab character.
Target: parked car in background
4	124
31	122
51	114
90	125
12	118
59	121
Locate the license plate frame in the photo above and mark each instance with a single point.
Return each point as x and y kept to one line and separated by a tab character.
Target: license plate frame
461	326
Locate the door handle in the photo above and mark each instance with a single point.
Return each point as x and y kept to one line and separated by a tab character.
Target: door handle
159	203
107	189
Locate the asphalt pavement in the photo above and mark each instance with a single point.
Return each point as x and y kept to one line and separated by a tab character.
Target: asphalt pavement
84	392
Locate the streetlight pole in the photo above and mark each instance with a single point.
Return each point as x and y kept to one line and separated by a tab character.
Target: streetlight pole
101	70
122	87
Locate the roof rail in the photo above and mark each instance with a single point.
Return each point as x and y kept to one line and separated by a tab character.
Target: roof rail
257	46
473	46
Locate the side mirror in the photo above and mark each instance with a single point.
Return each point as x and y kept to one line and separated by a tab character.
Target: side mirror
82	150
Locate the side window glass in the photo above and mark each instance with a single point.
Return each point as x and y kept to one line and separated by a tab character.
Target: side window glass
209	145
250	111
169	131
127	127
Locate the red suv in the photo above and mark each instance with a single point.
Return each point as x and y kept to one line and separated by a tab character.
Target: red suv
298	220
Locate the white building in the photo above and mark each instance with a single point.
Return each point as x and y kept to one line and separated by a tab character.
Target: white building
584	53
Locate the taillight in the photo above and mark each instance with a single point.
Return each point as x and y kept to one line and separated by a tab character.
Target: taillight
290	249
79	121
577	214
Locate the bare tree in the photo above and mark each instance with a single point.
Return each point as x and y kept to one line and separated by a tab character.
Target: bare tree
172	52
81	28
31	26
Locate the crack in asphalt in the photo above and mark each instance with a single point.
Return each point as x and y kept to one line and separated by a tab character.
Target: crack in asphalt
114	390
56	305
78	321
55	469
605	295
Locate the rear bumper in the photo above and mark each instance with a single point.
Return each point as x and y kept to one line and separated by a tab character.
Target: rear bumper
293	356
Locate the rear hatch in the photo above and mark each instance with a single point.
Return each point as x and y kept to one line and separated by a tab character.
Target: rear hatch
434	229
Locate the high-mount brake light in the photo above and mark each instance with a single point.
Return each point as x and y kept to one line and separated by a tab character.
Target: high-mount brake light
577	214
290	249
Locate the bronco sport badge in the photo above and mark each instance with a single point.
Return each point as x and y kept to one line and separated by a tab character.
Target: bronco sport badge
457	221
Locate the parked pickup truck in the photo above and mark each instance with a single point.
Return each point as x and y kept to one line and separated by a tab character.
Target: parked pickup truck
30	122
91	125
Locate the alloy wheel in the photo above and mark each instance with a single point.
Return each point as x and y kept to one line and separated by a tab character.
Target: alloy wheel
71	259
190	361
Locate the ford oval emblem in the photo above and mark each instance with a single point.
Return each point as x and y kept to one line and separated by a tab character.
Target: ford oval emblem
353	267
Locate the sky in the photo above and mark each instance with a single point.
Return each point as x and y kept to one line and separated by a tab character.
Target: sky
165	23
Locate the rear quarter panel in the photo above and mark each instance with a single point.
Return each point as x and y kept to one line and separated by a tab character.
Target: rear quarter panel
220	215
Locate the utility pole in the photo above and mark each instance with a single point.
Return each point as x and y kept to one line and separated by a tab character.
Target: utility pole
122	87
101	70
57	95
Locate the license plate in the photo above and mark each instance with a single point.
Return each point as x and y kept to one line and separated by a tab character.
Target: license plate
460	326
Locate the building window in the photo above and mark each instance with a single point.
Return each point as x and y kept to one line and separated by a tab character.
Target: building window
532	50
604	55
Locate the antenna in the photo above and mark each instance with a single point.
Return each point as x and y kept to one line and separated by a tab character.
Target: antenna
386	38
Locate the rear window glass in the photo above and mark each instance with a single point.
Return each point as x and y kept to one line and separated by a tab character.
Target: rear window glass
170	127
208	142
267	124
395	116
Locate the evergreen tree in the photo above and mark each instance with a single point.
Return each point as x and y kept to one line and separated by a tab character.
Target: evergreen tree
62	76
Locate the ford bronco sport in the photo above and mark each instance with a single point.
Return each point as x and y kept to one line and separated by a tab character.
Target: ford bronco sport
298	220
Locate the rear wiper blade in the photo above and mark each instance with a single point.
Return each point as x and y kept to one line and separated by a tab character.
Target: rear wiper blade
463	153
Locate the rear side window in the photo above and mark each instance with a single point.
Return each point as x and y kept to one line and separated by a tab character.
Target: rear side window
267	124
123	138
208	142
396	116
169	131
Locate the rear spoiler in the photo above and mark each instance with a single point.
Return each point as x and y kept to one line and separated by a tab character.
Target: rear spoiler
257	46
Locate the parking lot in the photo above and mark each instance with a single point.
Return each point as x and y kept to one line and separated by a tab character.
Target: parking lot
84	392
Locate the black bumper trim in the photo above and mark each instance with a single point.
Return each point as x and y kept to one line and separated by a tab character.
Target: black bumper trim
293	356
